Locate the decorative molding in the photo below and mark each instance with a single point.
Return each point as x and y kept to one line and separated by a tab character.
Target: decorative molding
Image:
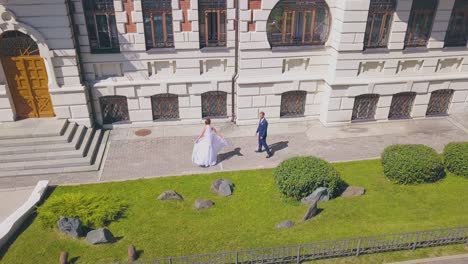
130	26
449	65
371	67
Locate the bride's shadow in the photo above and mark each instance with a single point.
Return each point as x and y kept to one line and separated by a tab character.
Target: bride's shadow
228	155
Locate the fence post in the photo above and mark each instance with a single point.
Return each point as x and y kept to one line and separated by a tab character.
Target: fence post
415	241
358	248
237	257
131	253
298	254
64	258
170	260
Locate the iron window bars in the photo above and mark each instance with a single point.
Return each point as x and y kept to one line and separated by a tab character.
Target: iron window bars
378	23
15	43
365	107
157	18
101	25
293	104
213	23
298	23
420	23
165	106
114	109
214	104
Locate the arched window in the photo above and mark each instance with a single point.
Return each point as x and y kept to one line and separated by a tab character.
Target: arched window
298	23
457	31
157	19
439	102
365	107
15	43
114	109
420	23
378	23
165	106
293	104
402	105
101	25
214	104
213	21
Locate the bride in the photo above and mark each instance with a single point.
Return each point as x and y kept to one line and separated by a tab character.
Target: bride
207	146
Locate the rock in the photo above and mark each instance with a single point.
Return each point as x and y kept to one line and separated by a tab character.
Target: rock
70	226
285	224
170	195
203	204
222	187
311	212
353	191
99	236
321	194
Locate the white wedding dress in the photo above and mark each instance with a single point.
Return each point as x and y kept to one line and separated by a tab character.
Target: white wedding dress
205	151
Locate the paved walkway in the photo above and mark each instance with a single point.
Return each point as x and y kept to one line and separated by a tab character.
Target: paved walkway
457	259
167	150
12	200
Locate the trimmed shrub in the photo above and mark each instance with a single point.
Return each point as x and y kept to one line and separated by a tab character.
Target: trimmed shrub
93	210
456	158
300	176
412	164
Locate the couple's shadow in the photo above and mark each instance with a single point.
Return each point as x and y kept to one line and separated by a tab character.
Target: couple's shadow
237	151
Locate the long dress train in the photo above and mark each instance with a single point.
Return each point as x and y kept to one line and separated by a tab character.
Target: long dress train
205	151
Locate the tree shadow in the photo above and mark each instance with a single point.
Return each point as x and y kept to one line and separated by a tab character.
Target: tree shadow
228	155
278	146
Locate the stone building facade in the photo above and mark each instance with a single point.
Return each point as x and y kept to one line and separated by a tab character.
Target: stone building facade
157	62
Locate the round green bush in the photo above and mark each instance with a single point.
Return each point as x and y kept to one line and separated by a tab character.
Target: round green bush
93	210
300	176
456	158
412	164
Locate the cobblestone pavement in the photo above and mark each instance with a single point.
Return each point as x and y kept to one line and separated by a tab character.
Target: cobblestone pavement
132	157
456	259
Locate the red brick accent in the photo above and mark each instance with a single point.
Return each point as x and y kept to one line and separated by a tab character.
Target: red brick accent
128	7
253	5
184	6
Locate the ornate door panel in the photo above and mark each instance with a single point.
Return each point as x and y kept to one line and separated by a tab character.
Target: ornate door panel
402	104
28	83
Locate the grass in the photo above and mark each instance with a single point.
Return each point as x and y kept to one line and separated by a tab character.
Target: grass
248	218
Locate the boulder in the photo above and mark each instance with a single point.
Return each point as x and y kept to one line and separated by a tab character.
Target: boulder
70	226
170	195
100	236
222	187
311	211
320	194
353	191
285	224
203	204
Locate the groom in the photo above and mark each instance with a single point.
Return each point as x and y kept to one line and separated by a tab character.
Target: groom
262	132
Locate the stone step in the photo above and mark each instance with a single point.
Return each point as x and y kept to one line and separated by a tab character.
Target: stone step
67	154
44	164
33	127
51	171
36	149
68	135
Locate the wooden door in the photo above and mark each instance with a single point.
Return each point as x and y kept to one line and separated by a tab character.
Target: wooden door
27	79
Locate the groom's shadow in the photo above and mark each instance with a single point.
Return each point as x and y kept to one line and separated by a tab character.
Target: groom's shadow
228	155
278	146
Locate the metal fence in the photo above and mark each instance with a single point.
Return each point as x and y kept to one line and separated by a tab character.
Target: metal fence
328	249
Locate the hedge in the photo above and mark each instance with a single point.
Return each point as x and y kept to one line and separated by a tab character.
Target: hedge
456	158
300	176
412	164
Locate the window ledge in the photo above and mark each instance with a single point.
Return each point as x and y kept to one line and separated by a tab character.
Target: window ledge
298	48
456	48
416	50
161	50
215	49
376	51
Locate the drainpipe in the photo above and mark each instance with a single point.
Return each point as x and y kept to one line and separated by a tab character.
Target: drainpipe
236	62
76	42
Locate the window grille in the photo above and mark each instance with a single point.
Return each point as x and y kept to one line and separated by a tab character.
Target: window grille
15	43
114	109
439	102
165	106
293	104
214	104
365	107
402	105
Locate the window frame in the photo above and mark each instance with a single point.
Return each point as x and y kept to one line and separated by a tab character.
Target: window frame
158	114
91	11
460	7
387	13
220	8
163	10
416	12
292	15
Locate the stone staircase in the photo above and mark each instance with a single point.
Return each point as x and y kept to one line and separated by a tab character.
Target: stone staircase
50	146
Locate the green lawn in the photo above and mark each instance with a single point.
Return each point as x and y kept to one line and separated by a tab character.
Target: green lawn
248	218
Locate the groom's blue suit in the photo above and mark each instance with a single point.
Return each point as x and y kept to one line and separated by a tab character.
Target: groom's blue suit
262	131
